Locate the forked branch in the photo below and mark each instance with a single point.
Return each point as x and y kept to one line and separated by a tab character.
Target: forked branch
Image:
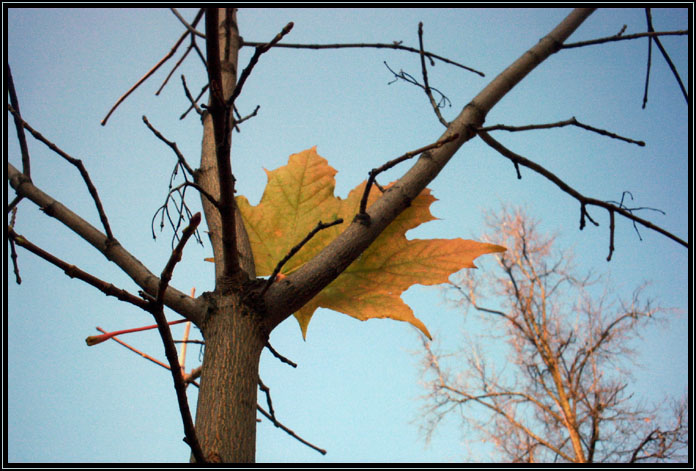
584	201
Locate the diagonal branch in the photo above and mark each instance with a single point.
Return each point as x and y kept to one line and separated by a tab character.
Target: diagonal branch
157	310
14	102
111	248
319	227
152	70
254	59
74	272
657	41
76	162
426	86
285	297
584	201
289	431
171	144
362	215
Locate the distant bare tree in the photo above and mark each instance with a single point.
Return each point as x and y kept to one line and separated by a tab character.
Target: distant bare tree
563	393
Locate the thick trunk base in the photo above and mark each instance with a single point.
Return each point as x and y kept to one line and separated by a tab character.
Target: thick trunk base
226	412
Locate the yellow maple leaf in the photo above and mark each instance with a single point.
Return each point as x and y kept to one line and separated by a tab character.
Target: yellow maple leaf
300	194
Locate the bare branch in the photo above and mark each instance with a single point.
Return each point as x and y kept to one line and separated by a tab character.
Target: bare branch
194	103
394	45
426	86
151	71
254	59
112	250
428	89
191	29
622	37
284	298
289	431
584	201
666	56
171	144
319	227
279	356
157	310
19	127
362	215
568	122
74	272
76	162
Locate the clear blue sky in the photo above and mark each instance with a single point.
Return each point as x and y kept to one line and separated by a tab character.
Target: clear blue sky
356	390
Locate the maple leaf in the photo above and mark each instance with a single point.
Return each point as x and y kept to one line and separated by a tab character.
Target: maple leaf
300	194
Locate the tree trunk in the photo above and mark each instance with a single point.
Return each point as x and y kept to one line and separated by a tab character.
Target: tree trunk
234	338
226	412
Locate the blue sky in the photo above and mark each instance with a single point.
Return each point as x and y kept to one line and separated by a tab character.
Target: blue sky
356	390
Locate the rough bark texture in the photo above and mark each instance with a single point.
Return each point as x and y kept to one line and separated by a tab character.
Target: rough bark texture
226	413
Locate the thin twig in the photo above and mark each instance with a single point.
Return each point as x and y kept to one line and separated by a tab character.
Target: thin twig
320	226
647	74
135	350
394	45
171	144
621	204
240	120
266	390
76	162
97	339
426	86
14	102
410	79
376	171
74	272
176	66
611	235
188	378
289	431
157	310
279	356
666	56
191	29
200	94
188	95
622	37
584	201
254	59
568	122
13	250
151	71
